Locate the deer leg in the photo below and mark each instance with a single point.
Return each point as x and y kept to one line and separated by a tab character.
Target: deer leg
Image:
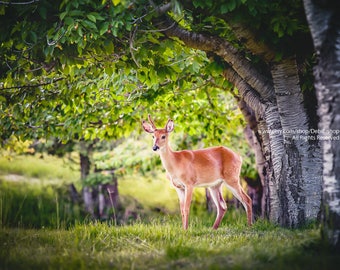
181	196
249	206
241	195
221	206
186	206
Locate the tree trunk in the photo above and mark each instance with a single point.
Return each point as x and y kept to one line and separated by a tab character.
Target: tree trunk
300	176
85	165
324	23
112	190
255	188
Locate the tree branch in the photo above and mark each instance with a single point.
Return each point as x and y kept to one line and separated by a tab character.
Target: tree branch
255	46
247	93
32	85
223	48
18	3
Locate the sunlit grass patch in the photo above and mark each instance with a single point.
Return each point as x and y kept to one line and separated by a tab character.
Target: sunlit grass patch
46	168
151	190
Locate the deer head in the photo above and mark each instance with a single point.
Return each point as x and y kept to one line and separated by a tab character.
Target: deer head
160	136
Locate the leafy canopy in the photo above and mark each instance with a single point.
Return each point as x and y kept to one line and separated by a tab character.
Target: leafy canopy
91	69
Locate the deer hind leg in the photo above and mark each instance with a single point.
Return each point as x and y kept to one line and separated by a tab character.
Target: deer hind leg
248	207
221	206
242	196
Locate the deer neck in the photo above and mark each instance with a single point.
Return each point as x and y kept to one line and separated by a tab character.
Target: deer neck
168	158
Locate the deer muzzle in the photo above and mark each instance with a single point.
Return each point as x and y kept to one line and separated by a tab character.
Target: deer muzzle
155	147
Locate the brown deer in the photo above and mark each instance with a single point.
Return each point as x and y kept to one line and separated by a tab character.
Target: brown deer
209	167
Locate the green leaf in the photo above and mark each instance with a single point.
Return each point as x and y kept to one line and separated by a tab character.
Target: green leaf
62	15
89	24
43	12
91	17
224	8
116	2
104	28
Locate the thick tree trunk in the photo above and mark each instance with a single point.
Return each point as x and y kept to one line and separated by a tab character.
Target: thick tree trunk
323	18
300	176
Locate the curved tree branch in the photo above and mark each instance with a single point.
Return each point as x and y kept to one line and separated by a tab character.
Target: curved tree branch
223	48
18	3
255	46
247	93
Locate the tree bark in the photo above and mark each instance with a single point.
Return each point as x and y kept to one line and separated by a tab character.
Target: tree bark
300	184
324	23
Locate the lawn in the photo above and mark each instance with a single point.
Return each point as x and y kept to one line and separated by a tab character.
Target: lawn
162	244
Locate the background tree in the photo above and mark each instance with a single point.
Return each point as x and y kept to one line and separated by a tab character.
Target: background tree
90	69
325	28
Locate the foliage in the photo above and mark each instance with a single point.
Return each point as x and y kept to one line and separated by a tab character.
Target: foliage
131	156
82	82
13	146
163	245
92	69
94	179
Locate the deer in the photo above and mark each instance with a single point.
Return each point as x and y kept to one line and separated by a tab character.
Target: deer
209	167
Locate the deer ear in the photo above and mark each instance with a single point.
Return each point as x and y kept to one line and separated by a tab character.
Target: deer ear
169	126
147	127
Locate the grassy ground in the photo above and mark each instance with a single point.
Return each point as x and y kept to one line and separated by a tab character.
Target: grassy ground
46	169
31	196
163	245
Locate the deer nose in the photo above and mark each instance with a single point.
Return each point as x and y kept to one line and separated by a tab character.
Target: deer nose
155	148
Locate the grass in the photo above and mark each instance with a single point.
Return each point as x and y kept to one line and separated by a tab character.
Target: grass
47	168
31	205
161	244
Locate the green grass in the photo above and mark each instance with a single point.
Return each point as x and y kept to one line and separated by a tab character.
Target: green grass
162	244
27	205
45	169
34	192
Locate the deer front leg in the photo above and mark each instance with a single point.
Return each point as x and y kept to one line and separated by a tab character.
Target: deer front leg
186	206
181	197
185	196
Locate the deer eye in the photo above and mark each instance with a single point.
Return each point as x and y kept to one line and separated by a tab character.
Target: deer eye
153	136
163	137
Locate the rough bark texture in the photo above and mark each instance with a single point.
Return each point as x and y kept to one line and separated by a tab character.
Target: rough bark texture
323	18
300	185
253	138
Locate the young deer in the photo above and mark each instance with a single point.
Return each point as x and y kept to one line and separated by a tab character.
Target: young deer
210	167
